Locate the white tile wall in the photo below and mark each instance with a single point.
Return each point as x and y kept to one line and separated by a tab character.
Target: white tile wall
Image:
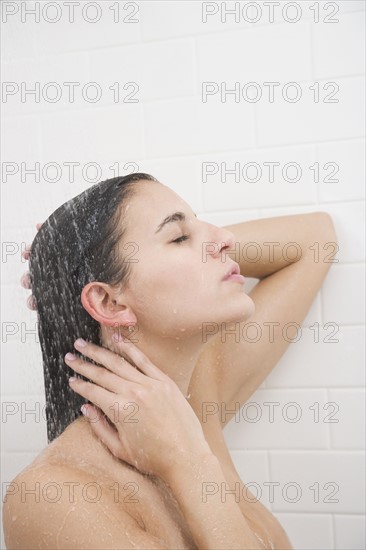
344	304
349	431
24	417
344	180
257	61
321	358
23	141
245	177
86	134
319	481
351	237
282	419
148	67
17	374
48	68
308	530
331	57
350	532
84	36
171	133
189	126
282	123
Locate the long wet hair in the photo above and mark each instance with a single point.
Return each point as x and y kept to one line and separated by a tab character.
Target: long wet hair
77	244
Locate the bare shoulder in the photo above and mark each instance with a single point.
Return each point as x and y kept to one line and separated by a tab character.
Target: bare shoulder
55	505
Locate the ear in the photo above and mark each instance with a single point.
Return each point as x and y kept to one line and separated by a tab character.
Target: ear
105	304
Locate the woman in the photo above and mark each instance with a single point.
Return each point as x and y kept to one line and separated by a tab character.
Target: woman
127	266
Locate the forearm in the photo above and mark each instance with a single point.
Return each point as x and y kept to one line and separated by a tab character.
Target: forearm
212	515
263	246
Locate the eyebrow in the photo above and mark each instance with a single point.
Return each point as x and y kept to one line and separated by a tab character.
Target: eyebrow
175	217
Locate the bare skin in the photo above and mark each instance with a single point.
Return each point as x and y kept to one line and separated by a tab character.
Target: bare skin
158	519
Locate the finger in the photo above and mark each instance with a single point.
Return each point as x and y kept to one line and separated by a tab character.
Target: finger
112	360
38	226
99	375
102	398
27	251
31	303
103	430
25	280
92	413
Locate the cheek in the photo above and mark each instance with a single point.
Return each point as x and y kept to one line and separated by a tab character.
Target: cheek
162	286
161	293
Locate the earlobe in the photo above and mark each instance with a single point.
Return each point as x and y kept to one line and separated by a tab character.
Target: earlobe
97	299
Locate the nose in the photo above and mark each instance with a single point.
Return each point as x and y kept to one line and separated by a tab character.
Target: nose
223	238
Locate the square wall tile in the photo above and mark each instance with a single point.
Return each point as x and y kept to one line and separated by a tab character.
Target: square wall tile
349	432
319	481
308	531
350	532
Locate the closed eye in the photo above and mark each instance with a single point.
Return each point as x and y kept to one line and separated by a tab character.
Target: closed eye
181	239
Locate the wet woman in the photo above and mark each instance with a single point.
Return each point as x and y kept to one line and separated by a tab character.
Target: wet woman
143	294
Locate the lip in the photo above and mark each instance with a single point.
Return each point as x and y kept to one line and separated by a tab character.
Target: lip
234	270
235	277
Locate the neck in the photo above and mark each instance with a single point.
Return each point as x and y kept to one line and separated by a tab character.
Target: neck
176	357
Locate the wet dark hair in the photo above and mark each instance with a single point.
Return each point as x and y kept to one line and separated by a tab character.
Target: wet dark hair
77	244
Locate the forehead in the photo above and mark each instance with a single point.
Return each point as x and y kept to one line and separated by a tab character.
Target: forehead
151	202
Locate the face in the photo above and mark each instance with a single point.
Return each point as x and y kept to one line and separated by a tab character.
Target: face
176	283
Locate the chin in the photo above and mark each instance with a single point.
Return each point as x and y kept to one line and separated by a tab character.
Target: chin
244	310
238	313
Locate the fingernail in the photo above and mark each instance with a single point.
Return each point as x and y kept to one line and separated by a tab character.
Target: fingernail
31	302
25	280
70	356
84	410
80	343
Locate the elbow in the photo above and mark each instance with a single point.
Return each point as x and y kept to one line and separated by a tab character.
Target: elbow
328	240
327	227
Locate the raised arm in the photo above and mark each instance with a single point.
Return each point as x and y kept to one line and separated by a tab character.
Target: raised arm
265	246
294	254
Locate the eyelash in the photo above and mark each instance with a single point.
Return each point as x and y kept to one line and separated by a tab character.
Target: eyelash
181	239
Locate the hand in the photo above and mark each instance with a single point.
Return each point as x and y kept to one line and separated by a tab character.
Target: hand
153	426
25	279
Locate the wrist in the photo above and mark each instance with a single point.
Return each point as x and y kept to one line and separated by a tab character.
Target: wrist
193	461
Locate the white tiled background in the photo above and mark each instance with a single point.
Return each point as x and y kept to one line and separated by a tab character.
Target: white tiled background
169	133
